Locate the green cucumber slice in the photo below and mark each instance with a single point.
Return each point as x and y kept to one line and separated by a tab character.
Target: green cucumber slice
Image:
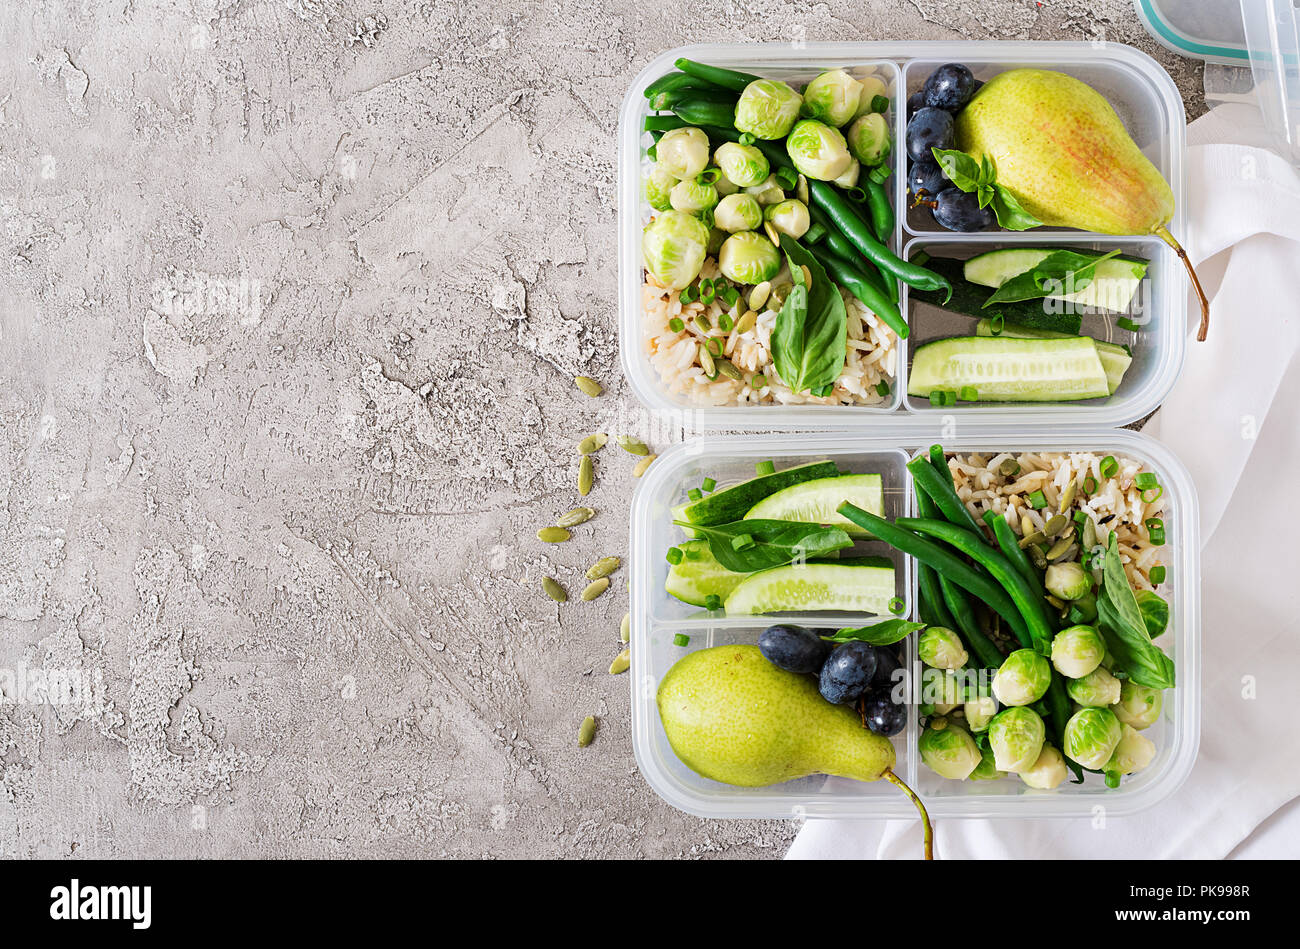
815	502
731	504
698	575
862	585
1115	359
1010	370
1114	282
969	298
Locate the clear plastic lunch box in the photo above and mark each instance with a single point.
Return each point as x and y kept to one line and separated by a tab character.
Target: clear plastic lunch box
1146	100
657	618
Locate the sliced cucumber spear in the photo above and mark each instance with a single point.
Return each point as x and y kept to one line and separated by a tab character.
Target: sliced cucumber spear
1010	370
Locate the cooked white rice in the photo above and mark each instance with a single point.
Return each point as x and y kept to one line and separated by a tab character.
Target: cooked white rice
871	359
1115	507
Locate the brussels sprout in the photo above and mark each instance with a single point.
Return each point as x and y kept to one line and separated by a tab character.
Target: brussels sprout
683	153
1022	679
1133	753
1091	735
716	238
1077	651
868	139
691	196
674	245
1047	772
832	97
872	86
941	648
850	177
987	769
1138	706
789	217
1097	689
743	164
1083	610
941	689
725	186
948	751
748	257
980	711
818	150
767	192
1069	581
658	188
1155	612
767	108
1016	737
738	212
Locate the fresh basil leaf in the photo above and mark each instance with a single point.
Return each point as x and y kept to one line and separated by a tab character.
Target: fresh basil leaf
961	169
775	542
885	633
1009	212
1057	273
810	337
987	175
986	195
1155	612
1125	630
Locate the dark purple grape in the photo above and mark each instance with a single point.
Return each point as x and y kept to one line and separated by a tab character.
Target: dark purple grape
887	663
914	102
847	673
883	715
793	648
926	177
929	128
949	87
959	210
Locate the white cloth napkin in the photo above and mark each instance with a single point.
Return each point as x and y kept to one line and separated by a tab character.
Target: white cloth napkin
1234	420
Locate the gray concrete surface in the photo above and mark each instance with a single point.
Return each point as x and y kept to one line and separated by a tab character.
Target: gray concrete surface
292	296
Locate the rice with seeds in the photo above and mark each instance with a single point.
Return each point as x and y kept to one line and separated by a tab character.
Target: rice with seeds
1116	506
872	351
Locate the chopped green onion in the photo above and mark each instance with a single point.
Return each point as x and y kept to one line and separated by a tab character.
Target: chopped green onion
688	295
997	324
708	176
1038	500
713	602
1112	779
695	553
787	177
879	104
880	173
949	397
694	494
896	606
1158	574
706	296
714	345
765	467
681	639
969	394
1125	323
1151	495
815	234
676	324
742	541
856	193
1146	480
882	388
674	555
1080	517
1109	467
1089	485
747	139
709	484
1156	528
705	284
724	323
728	295
938	397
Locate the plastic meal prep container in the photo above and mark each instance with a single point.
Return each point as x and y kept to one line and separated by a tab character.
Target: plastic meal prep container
657	618
1146	100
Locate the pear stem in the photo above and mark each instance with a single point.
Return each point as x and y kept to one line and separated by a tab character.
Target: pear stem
1163	233
927	830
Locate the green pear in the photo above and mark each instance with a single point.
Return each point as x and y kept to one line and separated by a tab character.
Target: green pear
732	716
1060	149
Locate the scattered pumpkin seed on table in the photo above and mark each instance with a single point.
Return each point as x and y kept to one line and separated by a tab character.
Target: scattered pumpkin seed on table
621	662
553	535
603	567
554	590
593	442
642	465
588	385
579	515
595	589
586	731
586	475
633	446
625	628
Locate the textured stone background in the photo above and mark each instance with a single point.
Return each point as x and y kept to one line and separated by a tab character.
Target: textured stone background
292	294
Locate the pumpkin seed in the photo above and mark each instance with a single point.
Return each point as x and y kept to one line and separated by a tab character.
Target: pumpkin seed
554	590
1058	603
603	567
1026	525
579	515
807	276
553	535
1067	496
633	446
1036	555
621	662
625	628
595	589
586	475
746	322
588	385
1055	524
706	362
586	731
1060	548
593	442
1032	539
703	323
1089	534
758	296
773	234
727	369
801	190
642	465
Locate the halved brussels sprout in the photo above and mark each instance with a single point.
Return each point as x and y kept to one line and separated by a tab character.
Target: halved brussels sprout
1138	706
1047	772
987	769
1097	689
1016	737
789	217
658	188
872	86
1023	678
1069	580
738	212
768	191
868	138
949	751
1078	650
683	153
850	177
980	711
767	108
1133	752
674	246
1091	735
744	165
691	196
818	150
832	97
749	258
1083	610
941	648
